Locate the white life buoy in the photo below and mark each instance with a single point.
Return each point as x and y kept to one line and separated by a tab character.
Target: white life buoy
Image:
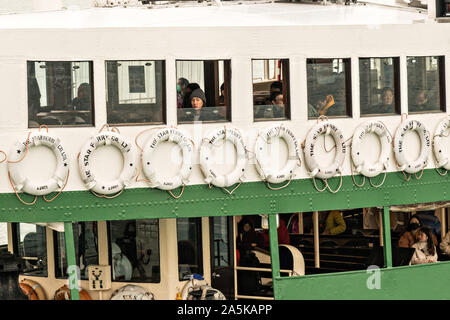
215	139
263	163
439	148
187	148
132	292
85	165
374	169
21	182
399	147
312	138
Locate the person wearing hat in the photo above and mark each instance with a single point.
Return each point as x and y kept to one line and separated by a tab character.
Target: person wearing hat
198	101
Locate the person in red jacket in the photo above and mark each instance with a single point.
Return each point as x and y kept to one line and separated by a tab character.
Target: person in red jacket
283	235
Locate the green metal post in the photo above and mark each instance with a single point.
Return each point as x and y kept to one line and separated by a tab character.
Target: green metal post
71	261
387	246
274	254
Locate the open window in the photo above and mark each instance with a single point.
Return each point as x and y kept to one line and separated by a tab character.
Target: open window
203	90
135	92
270	89
329	88
134	250
60	93
426	84
379	86
86	249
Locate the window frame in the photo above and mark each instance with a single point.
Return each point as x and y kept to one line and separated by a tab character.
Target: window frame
137	107
397	87
109	239
348	84
199	239
285	73
442	88
227	73
91	83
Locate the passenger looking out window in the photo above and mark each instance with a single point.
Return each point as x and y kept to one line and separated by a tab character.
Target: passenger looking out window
213	79
379	83
60	93
425	247
271	89
426	84
329	87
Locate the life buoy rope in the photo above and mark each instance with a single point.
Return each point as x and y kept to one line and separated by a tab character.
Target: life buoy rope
420	163
237	174
100	188
268	174
20	182
315	170
442	157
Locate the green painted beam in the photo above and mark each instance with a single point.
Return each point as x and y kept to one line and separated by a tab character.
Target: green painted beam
71	261
387	246
249	198
274	254
416	282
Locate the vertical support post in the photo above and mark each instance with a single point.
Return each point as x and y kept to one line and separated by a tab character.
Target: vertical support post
71	261
443	223
316	239
301	229
234	256
274	254
387	248
380	229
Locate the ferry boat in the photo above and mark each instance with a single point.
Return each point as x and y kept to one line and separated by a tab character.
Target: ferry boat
238	150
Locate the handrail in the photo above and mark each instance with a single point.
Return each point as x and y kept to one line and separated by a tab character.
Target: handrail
290	272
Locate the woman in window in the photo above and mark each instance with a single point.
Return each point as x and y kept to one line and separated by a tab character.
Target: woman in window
425	248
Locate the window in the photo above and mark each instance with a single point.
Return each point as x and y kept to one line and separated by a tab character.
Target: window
426	89
135	92
31	245
329	87
271	89
86	249
60	93
190	255
379	86
134	250
203	91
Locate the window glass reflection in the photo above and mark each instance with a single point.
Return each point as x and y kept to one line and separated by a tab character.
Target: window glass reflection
32	247
189	235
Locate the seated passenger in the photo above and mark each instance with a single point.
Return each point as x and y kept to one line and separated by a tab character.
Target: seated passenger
182	83
421	102
445	245
430	221
333	224
408	238
322	105
187	94
83	99
387	102
425	248
222	95
247	238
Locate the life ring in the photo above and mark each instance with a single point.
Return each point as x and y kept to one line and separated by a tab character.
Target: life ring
85	165
132	292
439	149
327	128
263	163
378	128
21	182
32	290
399	147
214	139
187	148
63	293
